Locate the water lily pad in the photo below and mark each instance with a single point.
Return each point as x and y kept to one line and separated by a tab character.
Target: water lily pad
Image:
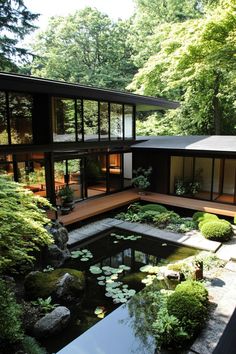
95	270
146	268
101	277
101	282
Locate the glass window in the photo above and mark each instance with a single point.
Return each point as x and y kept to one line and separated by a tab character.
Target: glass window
127	158
63	120
20	112
116	122
3	120
128	121
203	177
229	177
176	175
104	134
6	165
79	119
115	172
31	173
90	120
95	175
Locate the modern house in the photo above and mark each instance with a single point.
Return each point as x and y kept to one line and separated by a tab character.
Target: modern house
201	167
54	134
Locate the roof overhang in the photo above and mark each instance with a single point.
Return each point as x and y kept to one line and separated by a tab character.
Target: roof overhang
213	144
15	82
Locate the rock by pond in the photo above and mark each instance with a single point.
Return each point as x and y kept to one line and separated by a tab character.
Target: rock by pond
52	322
63	284
57	253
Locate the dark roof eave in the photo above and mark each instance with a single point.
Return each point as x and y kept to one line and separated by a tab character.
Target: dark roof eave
24	83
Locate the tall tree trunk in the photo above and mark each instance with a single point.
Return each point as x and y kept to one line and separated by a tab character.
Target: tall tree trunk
217	114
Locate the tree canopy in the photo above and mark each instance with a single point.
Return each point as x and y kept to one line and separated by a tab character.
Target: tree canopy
85	47
15	23
195	63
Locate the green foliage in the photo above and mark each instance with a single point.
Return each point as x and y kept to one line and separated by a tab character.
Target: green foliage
45	305
66	194
235	219
163	219
15	24
31	346
141	179
189	305
22	224
220	230
193	62
201	216
10	312
85	47
154	207
168	331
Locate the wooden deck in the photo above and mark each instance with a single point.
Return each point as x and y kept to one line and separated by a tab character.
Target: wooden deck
194	204
91	207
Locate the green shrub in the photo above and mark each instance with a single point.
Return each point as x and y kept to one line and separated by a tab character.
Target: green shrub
188	303
22	224
235	219
163	219
207	218
220	230
148	215
10	312
167	330
154	207
31	346
200	216
194	287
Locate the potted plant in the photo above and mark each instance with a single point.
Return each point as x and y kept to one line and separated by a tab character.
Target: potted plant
141	179
67	199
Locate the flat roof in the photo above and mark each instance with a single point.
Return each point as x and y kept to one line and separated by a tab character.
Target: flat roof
213	143
9	81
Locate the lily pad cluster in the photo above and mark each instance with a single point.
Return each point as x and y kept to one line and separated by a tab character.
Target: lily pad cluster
118	238
115	289
153	272
84	255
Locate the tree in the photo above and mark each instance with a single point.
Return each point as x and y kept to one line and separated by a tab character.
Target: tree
86	47
151	16
196	64
15	24
22	222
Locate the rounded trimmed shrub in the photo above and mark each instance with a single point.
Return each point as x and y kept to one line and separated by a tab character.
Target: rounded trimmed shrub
200	217
194	287
235	219
219	230
188	303
154	207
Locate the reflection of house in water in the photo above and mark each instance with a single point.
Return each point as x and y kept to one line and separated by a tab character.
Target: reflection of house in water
54	133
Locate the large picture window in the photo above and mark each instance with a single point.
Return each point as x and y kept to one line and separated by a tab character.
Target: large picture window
63	119
204	178
116	121
90	120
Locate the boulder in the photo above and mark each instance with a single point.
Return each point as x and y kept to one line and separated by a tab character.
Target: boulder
61	284
56	254
53	322
171	274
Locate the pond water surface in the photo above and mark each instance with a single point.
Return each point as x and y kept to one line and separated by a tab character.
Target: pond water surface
111	262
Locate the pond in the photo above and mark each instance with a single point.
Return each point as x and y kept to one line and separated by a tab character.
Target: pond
111	262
